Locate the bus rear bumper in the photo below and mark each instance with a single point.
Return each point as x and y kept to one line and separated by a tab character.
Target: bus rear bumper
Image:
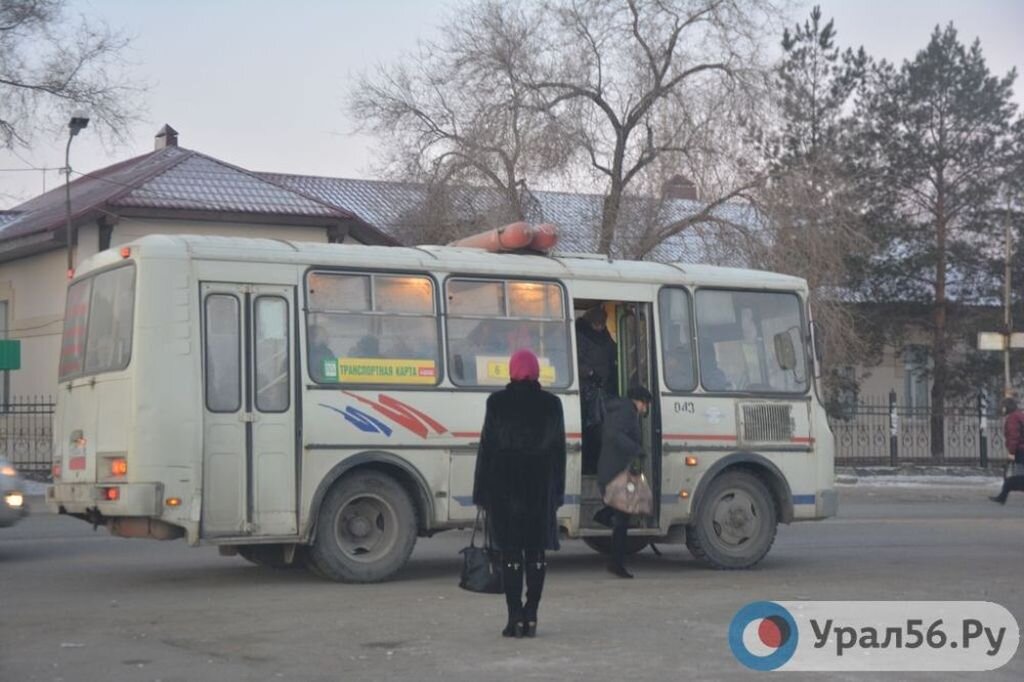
133	499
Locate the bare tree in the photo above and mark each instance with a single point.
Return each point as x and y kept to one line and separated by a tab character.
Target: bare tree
51	65
458	112
620	77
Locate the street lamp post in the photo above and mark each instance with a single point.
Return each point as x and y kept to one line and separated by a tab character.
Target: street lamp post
75	125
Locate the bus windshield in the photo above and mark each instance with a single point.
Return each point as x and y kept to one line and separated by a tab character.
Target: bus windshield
98	324
736	341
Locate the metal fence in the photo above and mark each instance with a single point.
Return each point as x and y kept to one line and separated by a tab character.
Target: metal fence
26	434
877	431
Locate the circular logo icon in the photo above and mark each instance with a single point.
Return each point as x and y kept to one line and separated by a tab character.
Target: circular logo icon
763	636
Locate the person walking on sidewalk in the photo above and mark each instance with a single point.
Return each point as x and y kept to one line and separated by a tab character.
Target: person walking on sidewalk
520	483
1013	433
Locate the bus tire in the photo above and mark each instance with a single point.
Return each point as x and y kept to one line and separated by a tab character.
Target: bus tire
735	523
603	545
365	531
268	556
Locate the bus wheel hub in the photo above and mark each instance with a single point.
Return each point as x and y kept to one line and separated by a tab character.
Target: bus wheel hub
359	526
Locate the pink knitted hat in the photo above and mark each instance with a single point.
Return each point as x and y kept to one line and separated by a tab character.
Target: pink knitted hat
523	366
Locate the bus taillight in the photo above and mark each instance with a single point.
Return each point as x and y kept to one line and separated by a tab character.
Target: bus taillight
111	494
118	466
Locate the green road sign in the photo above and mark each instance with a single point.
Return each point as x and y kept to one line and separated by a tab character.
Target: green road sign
10	354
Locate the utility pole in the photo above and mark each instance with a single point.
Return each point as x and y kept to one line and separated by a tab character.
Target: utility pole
1007	308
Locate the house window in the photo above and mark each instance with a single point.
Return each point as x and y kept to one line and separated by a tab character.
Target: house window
916	387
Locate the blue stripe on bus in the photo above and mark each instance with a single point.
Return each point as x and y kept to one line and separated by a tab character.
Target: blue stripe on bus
467	500
803	499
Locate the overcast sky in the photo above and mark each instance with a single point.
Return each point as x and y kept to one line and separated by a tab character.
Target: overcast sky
262	83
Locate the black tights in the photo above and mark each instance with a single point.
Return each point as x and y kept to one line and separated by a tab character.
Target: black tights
512	567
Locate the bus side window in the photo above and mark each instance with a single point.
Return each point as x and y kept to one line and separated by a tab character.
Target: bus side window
272	356
677	339
223	354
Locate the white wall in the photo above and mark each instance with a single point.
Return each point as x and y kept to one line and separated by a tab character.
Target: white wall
34	289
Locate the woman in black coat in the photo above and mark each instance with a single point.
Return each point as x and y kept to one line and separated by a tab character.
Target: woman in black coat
520	483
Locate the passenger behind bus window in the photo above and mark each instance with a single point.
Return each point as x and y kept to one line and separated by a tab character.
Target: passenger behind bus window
679	368
711	375
320	355
487	339
367	347
413	342
599	378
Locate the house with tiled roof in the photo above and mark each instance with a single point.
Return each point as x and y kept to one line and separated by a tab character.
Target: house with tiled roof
395	206
170	190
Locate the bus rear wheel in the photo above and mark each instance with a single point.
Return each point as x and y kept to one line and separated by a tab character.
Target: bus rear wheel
603	545
735	522
366	529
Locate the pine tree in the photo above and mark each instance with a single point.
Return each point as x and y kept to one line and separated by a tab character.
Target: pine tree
932	142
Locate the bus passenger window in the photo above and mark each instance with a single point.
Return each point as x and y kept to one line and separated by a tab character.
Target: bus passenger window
273	391
488	320
222	354
372	329
677	339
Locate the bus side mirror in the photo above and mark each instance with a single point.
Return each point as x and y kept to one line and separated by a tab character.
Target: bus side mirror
785	353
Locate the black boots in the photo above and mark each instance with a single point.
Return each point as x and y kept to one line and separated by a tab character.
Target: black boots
522	620
616	568
616	565
536	569
512	577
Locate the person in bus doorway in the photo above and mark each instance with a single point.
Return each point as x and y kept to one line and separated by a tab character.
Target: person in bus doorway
621	448
520	484
598	363
1013	432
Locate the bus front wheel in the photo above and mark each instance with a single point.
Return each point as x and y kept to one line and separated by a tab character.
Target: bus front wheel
365	531
735	523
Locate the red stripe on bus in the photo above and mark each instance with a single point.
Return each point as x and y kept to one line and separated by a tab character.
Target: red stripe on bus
802	439
698	436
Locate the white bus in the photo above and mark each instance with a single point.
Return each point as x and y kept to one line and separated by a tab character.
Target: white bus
317	404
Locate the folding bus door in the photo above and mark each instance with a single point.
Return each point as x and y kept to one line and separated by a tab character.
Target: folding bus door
249	458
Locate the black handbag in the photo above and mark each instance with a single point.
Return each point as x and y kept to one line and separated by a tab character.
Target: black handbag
481	566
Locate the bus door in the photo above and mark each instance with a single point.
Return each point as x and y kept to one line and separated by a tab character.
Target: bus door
630	324
636	361
249	460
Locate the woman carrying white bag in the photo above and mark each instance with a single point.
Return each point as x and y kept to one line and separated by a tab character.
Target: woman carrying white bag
624	489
